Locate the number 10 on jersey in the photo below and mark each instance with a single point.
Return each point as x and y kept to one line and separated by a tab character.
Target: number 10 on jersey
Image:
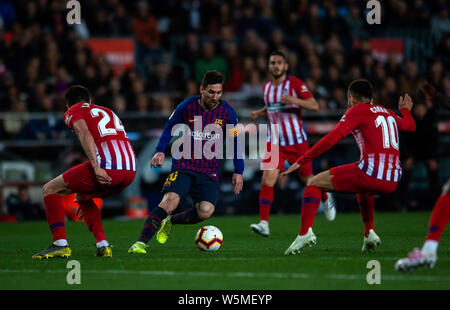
389	131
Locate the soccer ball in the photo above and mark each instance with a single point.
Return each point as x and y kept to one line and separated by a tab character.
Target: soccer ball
209	238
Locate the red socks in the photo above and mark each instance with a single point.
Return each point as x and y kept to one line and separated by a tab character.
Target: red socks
440	216
92	217
366	203
54	209
310	204
265	202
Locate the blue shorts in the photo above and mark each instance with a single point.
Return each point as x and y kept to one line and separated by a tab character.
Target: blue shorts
198	185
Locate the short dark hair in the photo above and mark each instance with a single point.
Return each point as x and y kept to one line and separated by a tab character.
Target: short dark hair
77	93
212	77
278	53
361	89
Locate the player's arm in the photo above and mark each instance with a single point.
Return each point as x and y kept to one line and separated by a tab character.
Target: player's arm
238	158
305	99
258	113
309	104
174	119
87	142
406	122
348	122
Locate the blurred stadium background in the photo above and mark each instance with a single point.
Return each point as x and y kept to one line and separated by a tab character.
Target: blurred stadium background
141	58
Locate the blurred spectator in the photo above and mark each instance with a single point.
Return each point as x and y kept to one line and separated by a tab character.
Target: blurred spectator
121	24
253	85
236	74
421	146
209	61
12	126
145	27
164	104
163	79
320	37
137	88
392	66
142	104
443	50
435	73
189	51
355	21
101	24
440	23
388	93
119	104
410	79
45	128
192	88
21	206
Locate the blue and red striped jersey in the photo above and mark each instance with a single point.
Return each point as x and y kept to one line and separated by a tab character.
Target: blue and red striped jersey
204	133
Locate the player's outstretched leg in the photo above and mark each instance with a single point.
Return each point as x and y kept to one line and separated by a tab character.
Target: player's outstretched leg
427	257
152	224
310	204
366	203
190	216
54	210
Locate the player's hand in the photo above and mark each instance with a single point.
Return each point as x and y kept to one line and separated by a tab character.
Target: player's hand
405	102
102	176
254	115
292	168
237	182
157	160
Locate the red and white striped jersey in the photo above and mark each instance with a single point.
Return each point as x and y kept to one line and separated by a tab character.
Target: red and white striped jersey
285	120
113	148
375	129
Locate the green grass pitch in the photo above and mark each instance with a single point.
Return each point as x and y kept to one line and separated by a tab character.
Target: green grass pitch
246	261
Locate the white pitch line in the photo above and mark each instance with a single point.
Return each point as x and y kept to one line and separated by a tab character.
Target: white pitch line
275	275
176	259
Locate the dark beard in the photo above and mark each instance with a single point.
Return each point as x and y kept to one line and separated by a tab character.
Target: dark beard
277	76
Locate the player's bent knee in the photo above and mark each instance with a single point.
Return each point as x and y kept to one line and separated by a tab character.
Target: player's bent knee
48	189
205	210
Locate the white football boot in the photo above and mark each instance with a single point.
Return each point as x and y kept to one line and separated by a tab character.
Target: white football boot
262	228
330	207
371	241
300	242
416	259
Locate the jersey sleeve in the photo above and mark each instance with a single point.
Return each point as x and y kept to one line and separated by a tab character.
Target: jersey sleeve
238	158
72	115
350	120
406	122
301	89
320	147
175	118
